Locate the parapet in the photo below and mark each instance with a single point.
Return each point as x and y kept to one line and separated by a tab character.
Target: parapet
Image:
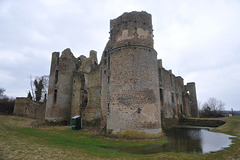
190	86
134	28
180	80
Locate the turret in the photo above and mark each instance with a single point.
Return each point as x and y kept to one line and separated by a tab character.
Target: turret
130	90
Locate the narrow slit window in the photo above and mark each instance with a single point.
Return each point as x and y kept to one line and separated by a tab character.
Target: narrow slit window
108	62
56	77
160	75
172	97
108	79
108	107
55	96
57	61
161	97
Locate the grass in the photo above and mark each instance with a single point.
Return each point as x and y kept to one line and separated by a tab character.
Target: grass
19	141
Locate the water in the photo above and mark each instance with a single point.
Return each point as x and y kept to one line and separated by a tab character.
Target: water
187	140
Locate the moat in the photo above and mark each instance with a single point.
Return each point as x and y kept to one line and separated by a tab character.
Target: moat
194	140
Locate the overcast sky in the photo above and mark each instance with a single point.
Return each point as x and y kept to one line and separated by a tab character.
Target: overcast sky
198	40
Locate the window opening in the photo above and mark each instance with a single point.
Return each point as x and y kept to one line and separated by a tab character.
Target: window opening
55	96
26	110
108	107
56	77
161	97
108	79
58	61
172	97
109	62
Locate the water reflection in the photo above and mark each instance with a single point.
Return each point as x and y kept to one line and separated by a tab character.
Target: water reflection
188	140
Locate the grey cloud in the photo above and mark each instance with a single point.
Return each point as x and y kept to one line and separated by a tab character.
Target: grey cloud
197	39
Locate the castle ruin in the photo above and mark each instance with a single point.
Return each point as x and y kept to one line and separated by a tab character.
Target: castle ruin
129	90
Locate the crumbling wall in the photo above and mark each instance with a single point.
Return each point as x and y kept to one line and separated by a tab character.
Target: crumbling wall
86	90
58	107
192	99
92	112
128	89
78	93
174	97
28	108
169	108
179	89
105	77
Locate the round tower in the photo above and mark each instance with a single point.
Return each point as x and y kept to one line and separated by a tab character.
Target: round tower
130	73
58	108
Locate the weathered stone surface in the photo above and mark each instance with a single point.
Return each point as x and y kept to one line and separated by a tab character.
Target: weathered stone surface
130	75
193	99
128	93
60	87
27	107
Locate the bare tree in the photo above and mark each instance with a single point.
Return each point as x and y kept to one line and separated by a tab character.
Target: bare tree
213	108
39	87
2	90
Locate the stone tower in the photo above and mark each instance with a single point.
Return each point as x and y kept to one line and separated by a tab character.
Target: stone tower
193	106
130	99
58	108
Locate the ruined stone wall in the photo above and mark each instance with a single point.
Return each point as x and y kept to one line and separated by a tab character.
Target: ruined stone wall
58	107
193	99
105	78
92	112
77	93
28	108
169	107
132	76
179	92
127	90
86	90
174	98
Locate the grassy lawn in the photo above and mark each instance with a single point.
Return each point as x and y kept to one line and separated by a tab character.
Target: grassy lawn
19	141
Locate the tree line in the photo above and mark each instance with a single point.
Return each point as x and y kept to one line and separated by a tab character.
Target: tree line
212	108
6	103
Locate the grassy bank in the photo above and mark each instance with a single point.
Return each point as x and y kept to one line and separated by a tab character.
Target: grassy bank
19	141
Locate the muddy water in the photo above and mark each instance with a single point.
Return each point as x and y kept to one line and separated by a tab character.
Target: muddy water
187	140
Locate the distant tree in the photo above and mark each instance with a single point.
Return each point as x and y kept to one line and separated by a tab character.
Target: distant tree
29	95
212	108
6	103
2	90
39	87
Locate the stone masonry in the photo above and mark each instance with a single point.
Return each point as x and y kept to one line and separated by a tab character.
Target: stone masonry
128	91
28	108
131	76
